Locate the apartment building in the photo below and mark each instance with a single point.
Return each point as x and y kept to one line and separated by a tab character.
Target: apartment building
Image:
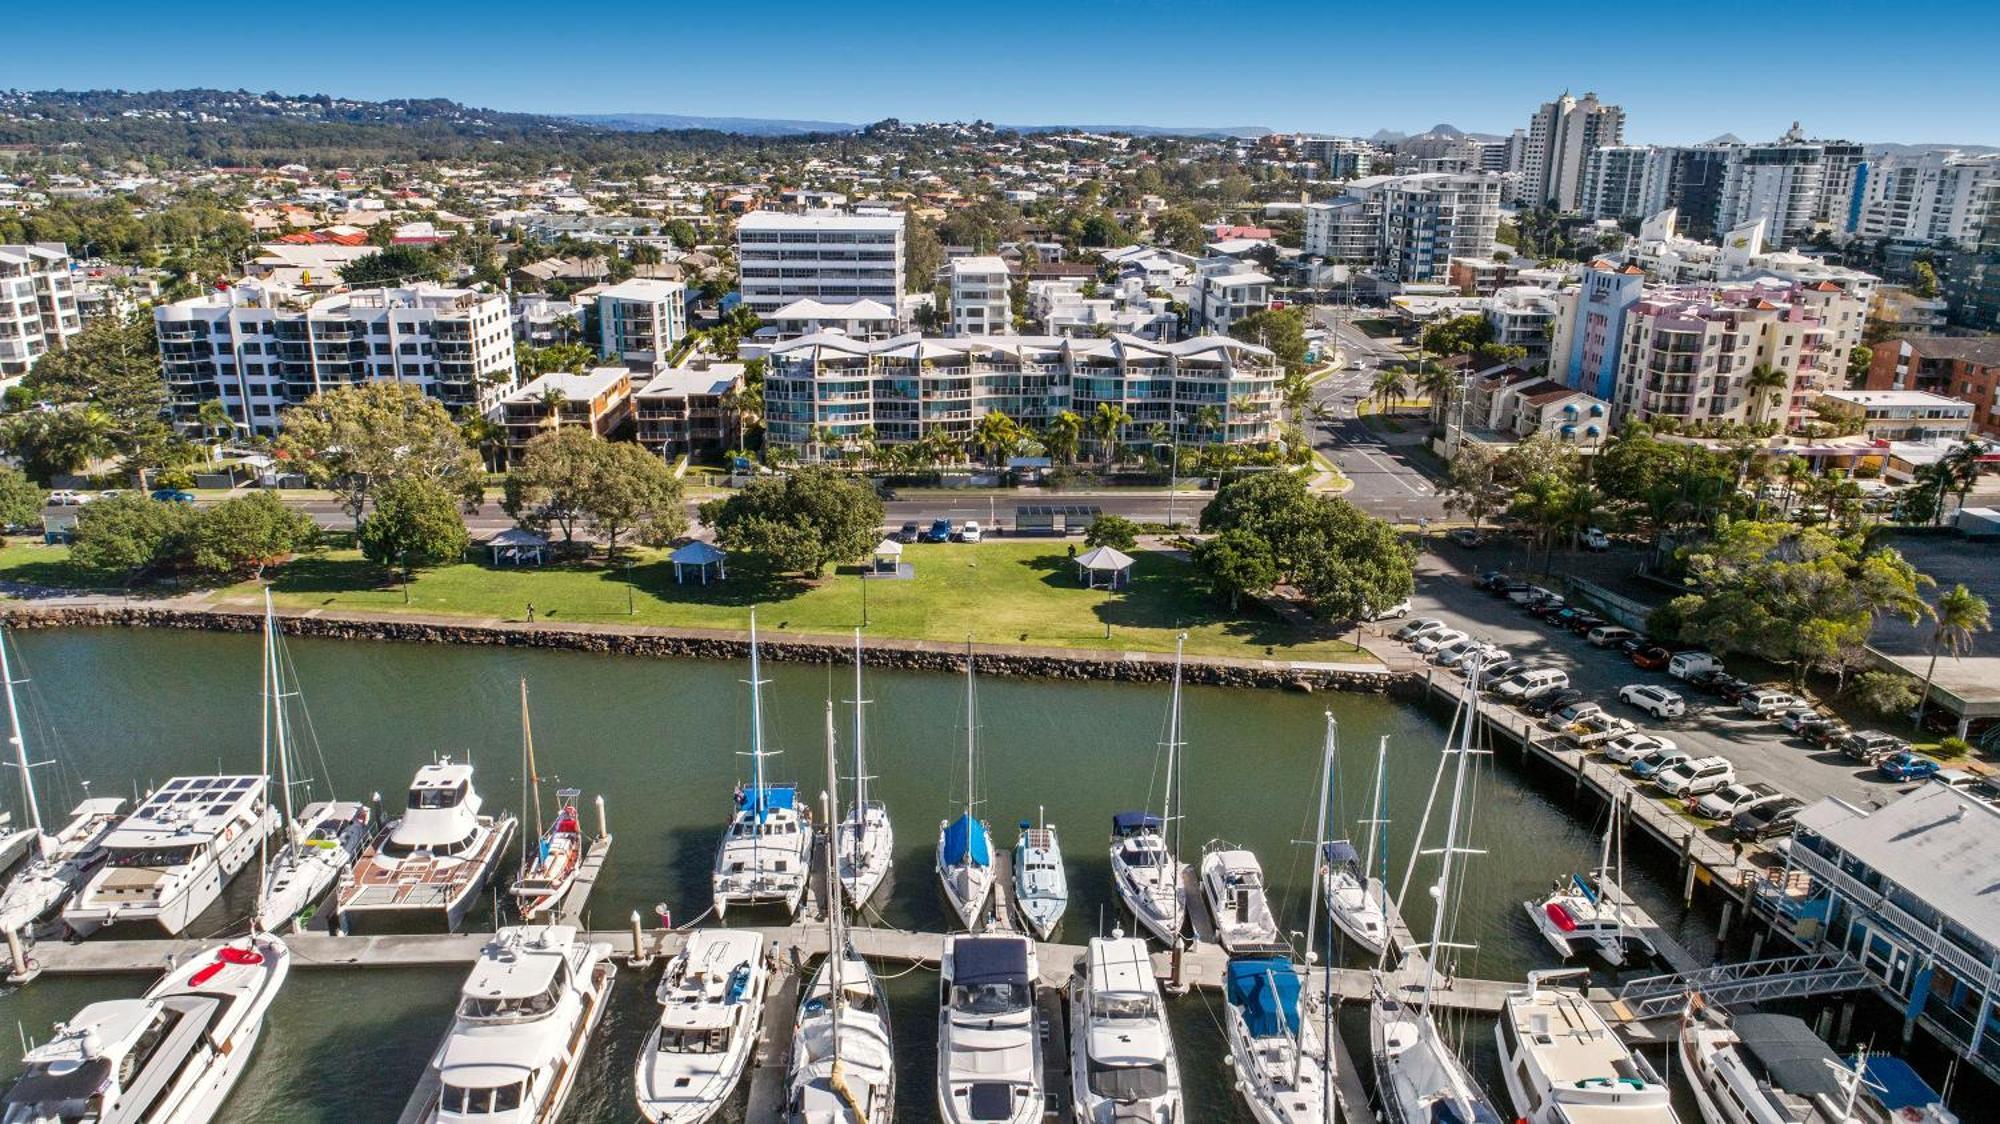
1590	325
1966	368
1524	316
1561	137
640	321
1688	352
38	309
1901	415
1613	180
598	400
1928	197
258	347
825	256
1344	158
981	291
864	320
1781	185
1347	229
822	392
543	322
689	410
1226	291
1409	227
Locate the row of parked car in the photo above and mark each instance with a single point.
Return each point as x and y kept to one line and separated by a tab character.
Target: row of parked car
67	497
941	530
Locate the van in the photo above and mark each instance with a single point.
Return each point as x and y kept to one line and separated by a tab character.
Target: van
1762	704
1525	685
1609	635
1687	665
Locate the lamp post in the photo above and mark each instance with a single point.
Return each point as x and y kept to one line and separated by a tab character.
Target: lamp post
864	594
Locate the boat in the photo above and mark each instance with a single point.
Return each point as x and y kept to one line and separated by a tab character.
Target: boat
866	844
989	1065
57	865
711	1011
434	860
1419	1077
1123	1068
1578	915
1758	1068
169	859
843	1063
549	867
765	856
320	841
1148	877
170	1056
1565	1065
1232	883
1358	902
524	1020
1041	888
965	844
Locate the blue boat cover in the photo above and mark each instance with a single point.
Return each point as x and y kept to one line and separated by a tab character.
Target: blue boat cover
1896	1085
1584	887
1341	851
977	961
775	796
1266	990
1126	823
966	839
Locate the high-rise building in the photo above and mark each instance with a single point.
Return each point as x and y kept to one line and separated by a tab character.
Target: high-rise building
1927	197
641	320
827	256
981	296
1687	180
1560	139
1972	277
1782	184
37	304
1344	158
1613	182
1408	226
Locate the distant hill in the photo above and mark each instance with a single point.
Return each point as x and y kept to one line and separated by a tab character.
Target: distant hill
1249	132
741	126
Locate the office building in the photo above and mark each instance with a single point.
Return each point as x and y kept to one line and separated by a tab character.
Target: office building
640	321
38	309
827	256
1561	137
1900	415
980	290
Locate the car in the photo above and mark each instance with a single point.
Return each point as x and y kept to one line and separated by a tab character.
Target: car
173	495
1956	778
1686	665
1815	728
1609	635
1692	778
1510	589
1651	659
969	532
1529	596
1531	684
1495	672
1491	580
1452	651
1870	746
1431	642
940	531
1659	759
1766	703
1555	699
1413	629
1596	541
1792	719
1395	612
110	493
1575	712
63	497
1725	802
1907	765
1548	608
1656	701
1483	651
908	533
1730	689
1627	748
1766	821
1467	538
1584	623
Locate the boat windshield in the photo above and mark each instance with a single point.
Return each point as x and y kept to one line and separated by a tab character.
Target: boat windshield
990	998
1127	1083
1123	1006
1142	852
714	1040
485	1008
482	1100
439	797
150	856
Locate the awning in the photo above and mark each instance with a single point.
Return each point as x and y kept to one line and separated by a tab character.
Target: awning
1341	851
1266	990
775	796
989	960
1128	823
965	840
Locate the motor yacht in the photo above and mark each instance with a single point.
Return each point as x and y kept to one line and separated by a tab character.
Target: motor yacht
711	1010
1232	883
989	1067
1123	1069
170	859
1565	1065
1759	1068
434	860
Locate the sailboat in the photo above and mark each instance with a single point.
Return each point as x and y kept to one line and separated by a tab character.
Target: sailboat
765	856
843	1064
1041	888
58	865
1278	1039
320	841
1418	1076
965	844
549	866
1597	917
866	843
1143	866
1354	899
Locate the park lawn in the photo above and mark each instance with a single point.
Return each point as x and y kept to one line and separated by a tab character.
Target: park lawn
31	562
998	593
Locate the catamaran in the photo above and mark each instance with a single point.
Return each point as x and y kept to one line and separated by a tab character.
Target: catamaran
1041	888
866	843
1143	866
548	868
170	1056
320	841
965	844
1356	900
525	1016
57	865
1597	917
989	1065
765	856
843	1064
711	1009
1232	883
169	859
1123	1068
1760	1068
434	860
1565	1065
1418	1076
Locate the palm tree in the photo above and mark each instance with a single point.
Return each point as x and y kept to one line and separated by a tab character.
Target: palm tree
1766	386
1440	385
552	399
215	422
1064	432
1543	503
1963	463
1960	613
567	325
996	435
1208	419
1388	387
1109	423
485	435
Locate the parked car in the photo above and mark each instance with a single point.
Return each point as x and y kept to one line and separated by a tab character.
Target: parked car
1766	821
1575	712
1692	778
1656	701
1532	595
1467	538
1730	689
1956	778
1686	665
1793	719
110	493
1609	635
1584	623
1659	759
970	531
1819	729
1725	802
1596	541
1413	629
173	495
1906	766
908	533
940	531
1627	748
1494	673
1651	659
1397	611
1529	685
1553	699
1871	746
63	497
1764	704
1492	581
1482	653
1452	651
1432	641
1548	608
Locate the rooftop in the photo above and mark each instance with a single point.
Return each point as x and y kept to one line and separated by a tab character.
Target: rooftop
1984	350
574	387
817	220
649	291
680	382
1920	398
1936	842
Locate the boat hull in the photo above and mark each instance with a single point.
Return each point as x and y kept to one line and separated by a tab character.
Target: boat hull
866	851
364	902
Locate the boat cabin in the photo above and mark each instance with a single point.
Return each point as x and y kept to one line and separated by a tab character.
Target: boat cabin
441	815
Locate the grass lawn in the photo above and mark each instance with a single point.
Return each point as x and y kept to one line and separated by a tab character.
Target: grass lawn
33	563
1377	328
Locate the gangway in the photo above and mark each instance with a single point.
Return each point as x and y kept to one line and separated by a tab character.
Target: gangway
1756	981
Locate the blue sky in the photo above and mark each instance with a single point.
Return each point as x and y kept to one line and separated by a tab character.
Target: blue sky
1921	70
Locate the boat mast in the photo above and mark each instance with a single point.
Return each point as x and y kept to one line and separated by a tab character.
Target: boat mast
756	725
969	801
1441	892
531	781
277	680
20	745
860	745
835	954
1326	764
1169	832
1376	822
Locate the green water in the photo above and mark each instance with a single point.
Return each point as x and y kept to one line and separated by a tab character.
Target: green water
661	740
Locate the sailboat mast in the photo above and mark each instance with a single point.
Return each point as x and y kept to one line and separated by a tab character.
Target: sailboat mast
20	744
836	955
1442	891
860	736
1169	830
756	723
969	801
534	776
276	672
1326	764
1375	820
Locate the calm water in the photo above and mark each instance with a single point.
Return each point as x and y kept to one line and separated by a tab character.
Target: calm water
661	740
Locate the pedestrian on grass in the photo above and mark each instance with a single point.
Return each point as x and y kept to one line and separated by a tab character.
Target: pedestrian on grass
531	612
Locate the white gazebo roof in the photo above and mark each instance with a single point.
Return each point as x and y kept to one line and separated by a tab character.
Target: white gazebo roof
1104	558
888	548
516	536
697	553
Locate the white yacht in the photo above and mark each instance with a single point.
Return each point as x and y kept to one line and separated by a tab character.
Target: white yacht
1756	1068
865	847
525	1016
1277	1047
550	864
1232	883
989	1067
170	1056
1565	1065
765	856
169	859
1577	914
711	1009
1041	887
965	844
1123	1069
1148	877
1353	899
434	860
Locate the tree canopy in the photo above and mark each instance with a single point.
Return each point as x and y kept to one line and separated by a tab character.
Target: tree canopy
415	523
1283	330
798	522
356	439
1344	562
570	478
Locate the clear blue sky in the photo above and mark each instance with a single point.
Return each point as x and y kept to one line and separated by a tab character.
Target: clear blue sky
1921	70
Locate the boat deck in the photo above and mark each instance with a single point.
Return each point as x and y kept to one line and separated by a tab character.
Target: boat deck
572	909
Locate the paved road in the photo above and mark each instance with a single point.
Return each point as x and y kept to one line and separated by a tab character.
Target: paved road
1759	750
1386	481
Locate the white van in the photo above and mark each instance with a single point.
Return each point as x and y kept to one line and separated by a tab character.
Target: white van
1526	686
1687	665
1760	704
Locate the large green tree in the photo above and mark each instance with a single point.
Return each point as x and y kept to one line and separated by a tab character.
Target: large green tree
127	536
1234	563
1283	330
112	366
247	533
1346	563
356	439
396	265
415	523
21	499
798	522
636	494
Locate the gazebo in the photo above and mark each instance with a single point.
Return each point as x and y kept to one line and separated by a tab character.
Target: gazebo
517	546
1114	566
701	556
888	558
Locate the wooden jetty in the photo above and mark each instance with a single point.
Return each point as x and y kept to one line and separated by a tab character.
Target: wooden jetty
570	911
774	1044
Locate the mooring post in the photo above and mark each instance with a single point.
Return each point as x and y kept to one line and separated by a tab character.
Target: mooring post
1847	1021
16	955
1722	930
638	940
1175	983
1757	945
604	829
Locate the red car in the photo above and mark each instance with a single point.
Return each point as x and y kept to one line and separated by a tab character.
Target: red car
1651	659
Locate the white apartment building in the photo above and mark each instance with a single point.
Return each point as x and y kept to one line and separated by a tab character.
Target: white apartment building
1226	291
258	348
640	321
543	322
819	255
824	393
1782	185
1344	158
37	304
1927	197
863	320
1560	138
980	288
1410	226
1524	316
1614	180
1348	229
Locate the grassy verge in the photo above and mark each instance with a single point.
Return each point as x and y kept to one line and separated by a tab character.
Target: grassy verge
1377	328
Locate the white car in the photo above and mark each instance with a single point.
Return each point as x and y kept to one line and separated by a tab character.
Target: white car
1448	655
1656	701
1419	627
1485	653
1730	799
63	497
1627	748
1692	778
969	532
1431	642
1395	612
1766	704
